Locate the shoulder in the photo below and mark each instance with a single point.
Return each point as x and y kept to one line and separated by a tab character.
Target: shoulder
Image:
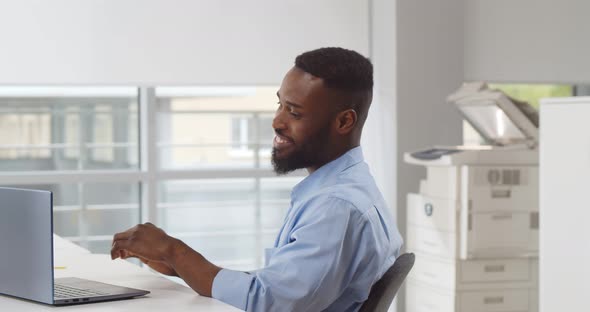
351	192
330	205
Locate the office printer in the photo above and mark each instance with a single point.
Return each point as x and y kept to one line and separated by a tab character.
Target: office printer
480	202
474	222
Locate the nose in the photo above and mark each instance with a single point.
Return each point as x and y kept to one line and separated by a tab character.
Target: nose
278	122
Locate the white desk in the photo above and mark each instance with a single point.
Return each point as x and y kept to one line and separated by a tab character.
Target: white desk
165	295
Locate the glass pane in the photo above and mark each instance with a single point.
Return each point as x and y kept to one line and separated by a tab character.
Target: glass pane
215	217
225	127
493	122
230	221
110	208
71	128
206	206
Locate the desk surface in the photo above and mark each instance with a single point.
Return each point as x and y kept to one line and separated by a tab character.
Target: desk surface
78	262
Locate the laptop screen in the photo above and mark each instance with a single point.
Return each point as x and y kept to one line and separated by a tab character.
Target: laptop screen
26	244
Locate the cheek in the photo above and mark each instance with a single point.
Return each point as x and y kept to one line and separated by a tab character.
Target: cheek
306	130
301	132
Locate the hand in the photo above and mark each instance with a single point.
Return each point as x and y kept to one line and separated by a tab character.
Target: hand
144	241
161	267
166	255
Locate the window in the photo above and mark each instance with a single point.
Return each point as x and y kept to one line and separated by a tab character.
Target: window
215	127
223	135
250	133
71	128
208	181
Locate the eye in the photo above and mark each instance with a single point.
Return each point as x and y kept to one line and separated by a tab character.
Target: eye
291	110
293	113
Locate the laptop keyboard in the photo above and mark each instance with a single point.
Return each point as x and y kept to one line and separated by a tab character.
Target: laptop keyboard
65	292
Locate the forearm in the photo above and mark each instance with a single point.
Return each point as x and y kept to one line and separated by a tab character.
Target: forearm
192	267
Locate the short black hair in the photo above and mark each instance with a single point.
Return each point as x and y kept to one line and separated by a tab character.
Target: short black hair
343	70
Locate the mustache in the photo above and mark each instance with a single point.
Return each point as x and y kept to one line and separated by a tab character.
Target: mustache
280	132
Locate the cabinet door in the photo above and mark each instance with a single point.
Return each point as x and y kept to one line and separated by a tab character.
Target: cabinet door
433	213
564	209
434	271
422	298
431	242
499	234
495	300
509	270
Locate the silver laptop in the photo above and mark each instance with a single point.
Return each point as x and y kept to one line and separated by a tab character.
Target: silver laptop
26	255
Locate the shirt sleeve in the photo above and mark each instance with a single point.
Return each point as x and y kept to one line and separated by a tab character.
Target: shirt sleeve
312	270
232	287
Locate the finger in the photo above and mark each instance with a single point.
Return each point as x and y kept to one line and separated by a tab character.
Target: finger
115	255
124	254
123	235
128	254
118	246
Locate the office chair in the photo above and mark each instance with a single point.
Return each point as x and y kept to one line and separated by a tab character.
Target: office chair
382	293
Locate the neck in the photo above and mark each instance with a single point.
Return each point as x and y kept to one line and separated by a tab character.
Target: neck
334	153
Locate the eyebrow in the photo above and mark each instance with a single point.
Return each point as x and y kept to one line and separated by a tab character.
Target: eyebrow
290	103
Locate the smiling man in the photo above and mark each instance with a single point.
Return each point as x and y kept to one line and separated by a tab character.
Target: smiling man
338	237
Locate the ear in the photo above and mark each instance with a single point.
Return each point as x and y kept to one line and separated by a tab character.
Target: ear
346	121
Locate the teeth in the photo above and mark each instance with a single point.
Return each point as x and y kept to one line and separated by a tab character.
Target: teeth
280	140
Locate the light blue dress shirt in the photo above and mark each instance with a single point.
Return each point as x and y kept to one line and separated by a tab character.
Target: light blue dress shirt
337	240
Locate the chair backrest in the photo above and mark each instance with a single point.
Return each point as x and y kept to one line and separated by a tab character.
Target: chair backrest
382	293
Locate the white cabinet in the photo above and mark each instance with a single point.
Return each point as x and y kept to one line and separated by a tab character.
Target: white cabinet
564	210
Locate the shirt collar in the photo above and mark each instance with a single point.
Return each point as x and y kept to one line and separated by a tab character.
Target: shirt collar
335	167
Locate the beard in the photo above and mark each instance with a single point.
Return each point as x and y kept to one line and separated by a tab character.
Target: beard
308	154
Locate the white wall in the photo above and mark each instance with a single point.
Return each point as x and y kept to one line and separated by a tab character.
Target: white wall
417	52
527	40
379	134
169	41
416	48
429	68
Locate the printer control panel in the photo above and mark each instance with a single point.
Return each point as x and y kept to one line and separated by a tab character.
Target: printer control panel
433	153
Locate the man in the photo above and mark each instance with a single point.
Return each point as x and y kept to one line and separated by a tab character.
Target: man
338	238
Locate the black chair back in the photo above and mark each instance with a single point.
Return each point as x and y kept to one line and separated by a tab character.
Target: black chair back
383	292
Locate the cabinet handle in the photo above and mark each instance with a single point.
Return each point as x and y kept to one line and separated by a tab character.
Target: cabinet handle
500	193
493	300
502	217
494	268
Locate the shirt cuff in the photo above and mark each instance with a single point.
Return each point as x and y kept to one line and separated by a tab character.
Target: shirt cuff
232	287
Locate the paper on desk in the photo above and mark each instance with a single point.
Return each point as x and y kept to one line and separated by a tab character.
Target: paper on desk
63	245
